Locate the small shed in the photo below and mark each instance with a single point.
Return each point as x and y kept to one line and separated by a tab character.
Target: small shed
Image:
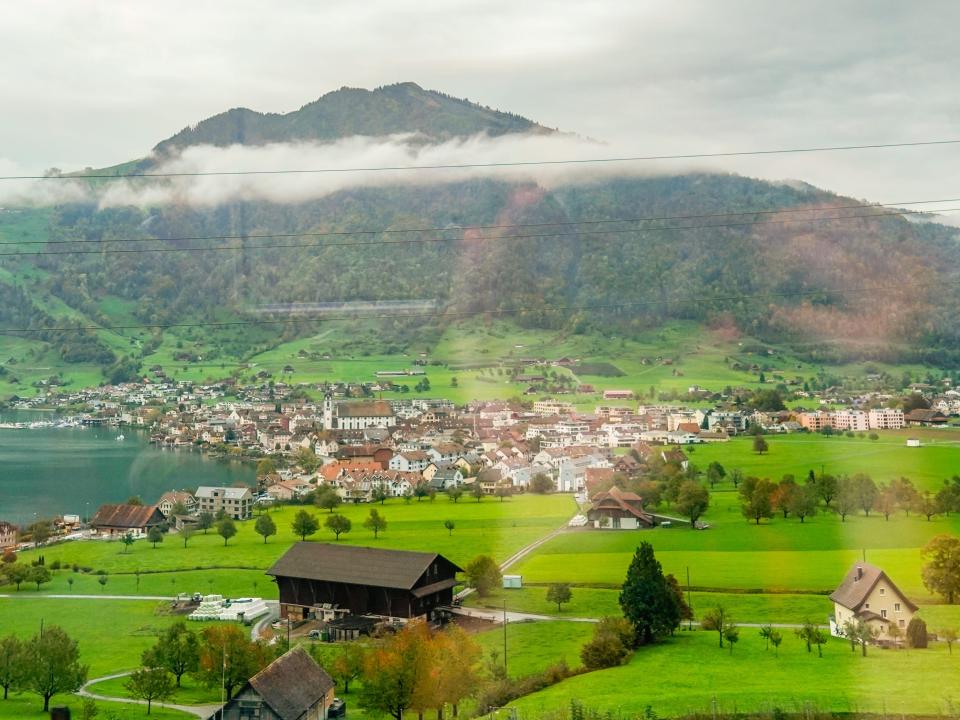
512	582
913	442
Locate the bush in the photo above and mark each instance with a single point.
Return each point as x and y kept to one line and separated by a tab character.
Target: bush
917	633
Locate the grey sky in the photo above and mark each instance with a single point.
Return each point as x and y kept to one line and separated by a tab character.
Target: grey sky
95	83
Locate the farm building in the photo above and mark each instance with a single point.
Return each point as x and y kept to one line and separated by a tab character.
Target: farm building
619	509
868	595
362	581
116	520
292	687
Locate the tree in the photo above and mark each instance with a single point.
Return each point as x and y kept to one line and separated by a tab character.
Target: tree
776	637
379	493
12	662
819	637
127	541
927	506
265	527
483	574
150	684
866	490
205	521
477	490
541	484
806	632
338	524
39	575
375	522
503	490
692	501
847	497
266	466
886	503
227	655
715	619
765	632
715	473
40	531
948	635
347	666
783	495
17	574
559	593
304	524
327	498
941	571
52	665
760	445
757	499
731	633
647	599
454	493
177	651
610	645
449	525
226	528
803	502
155	535
102	579
392	671
307	459
186	532
826	486
736	477
917	633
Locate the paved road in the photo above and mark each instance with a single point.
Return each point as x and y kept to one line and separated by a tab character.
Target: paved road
199	711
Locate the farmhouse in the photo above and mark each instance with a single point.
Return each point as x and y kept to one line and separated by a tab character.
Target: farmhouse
292	687
362	581
618	509
867	594
170	499
116	520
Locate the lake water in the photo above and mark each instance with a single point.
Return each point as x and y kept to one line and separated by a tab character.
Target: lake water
52	471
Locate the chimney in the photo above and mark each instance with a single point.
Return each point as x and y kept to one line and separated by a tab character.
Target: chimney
859	572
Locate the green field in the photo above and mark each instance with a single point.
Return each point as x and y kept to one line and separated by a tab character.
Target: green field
689	674
533	646
491	526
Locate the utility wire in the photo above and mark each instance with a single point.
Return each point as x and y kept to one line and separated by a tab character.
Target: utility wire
505	226
699	300
518	163
412	241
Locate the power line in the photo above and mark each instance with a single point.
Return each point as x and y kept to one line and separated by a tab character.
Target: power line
503	226
412	241
517	163
700	300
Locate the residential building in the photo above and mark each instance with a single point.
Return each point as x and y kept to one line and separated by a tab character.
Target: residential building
411	461
868	595
172	498
885	419
850	420
8	535
815	421
292	687
235	502
619	510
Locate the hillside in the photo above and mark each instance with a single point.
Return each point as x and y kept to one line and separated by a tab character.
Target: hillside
833	288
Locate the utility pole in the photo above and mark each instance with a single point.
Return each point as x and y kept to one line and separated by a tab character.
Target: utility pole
504	636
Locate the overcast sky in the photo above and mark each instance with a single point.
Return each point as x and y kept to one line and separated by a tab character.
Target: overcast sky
96	83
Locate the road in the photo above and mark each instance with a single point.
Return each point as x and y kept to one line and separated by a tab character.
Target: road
199	711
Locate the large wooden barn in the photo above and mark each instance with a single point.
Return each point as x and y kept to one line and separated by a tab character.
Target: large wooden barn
362	581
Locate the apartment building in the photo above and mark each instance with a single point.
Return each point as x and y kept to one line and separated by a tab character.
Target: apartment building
885	419
236	503
850	420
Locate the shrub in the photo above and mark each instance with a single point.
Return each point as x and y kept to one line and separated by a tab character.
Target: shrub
917	633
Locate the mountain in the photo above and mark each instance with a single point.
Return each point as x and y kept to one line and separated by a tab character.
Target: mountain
836	286
400	108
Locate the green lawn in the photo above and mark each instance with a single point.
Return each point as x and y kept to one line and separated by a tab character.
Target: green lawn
28	707
884	459
689	674
491	526
190	693
533	646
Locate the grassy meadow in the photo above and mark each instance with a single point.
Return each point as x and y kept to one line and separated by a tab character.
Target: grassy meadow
688	673
206	565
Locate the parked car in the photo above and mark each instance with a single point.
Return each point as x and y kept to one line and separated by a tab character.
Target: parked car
338	709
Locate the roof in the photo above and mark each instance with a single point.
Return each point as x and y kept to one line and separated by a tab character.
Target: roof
617	499
352	565
859	583
230	493
127	516
378	408
292	684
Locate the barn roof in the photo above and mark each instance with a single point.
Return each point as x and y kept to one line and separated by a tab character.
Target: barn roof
127	516
859	583
292	684
353	565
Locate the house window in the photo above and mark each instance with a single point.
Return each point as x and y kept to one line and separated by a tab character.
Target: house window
903	623
896	606
881	591
867	606
883	613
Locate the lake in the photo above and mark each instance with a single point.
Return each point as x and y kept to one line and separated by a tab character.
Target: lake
52	471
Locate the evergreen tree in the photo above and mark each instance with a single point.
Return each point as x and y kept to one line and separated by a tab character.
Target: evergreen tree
647	600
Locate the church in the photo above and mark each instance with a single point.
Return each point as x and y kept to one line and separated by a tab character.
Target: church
357	415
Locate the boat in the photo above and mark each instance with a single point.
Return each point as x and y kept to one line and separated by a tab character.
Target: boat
120	436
